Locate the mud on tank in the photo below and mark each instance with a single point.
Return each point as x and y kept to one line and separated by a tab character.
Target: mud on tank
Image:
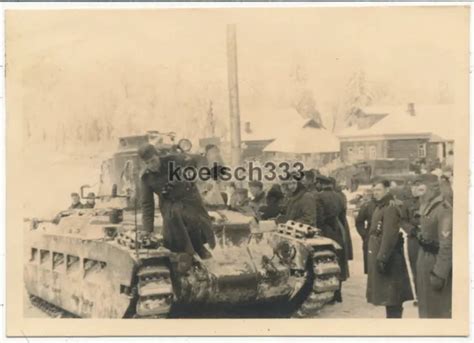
93	263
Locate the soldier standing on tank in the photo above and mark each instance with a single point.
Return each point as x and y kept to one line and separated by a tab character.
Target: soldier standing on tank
76	202
186	224
434	264
388	283
362	223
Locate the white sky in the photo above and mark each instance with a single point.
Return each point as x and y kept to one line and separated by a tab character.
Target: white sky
67	64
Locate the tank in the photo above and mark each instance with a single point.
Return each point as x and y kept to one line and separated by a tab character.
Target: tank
95	263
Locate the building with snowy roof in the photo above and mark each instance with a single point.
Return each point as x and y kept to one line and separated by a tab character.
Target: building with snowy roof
412	131
286	135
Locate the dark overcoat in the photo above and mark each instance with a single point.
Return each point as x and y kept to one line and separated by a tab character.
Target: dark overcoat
300	207
386	245
362	223
343	219
436	228
329	222
257	203
186	224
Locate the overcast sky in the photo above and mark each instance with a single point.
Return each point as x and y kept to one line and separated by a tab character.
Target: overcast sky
69	63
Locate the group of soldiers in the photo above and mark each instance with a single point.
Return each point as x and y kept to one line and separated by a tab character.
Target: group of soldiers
76	202
423	210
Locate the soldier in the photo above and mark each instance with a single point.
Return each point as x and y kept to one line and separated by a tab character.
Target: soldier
273	207
186	223
331	225
446	189
210	190
388	283
241	202
258	196
434	264
299	205
90	202
362	223
342	216
75	202
308	181
311	181
231	195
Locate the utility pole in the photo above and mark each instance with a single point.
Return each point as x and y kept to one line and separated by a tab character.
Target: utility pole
232	75
211	121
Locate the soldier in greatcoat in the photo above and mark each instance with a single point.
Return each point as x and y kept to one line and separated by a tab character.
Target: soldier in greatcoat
332	227
186	224
388	283
434	264
362	224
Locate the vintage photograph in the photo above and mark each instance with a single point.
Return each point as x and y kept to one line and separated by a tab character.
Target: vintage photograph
237	163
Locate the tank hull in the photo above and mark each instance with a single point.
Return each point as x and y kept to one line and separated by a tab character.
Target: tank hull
87	278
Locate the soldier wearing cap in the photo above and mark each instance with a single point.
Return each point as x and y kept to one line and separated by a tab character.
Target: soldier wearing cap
75	202
434	263
388	283
186	223
90	202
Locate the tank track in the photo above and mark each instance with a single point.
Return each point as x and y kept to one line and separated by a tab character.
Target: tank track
324	280
51	310
155	292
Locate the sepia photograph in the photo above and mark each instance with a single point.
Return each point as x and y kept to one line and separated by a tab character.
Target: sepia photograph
237	163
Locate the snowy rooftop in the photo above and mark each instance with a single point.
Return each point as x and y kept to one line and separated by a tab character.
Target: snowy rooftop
289	131
432	121
268	124
305	141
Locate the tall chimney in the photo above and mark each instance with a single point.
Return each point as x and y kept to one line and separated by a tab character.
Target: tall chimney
233	95
411	109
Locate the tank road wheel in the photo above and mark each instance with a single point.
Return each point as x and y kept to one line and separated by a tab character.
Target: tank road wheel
155	292
324	277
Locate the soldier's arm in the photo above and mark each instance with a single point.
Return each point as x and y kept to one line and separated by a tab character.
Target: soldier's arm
390	231
361	220
148	207
443	264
